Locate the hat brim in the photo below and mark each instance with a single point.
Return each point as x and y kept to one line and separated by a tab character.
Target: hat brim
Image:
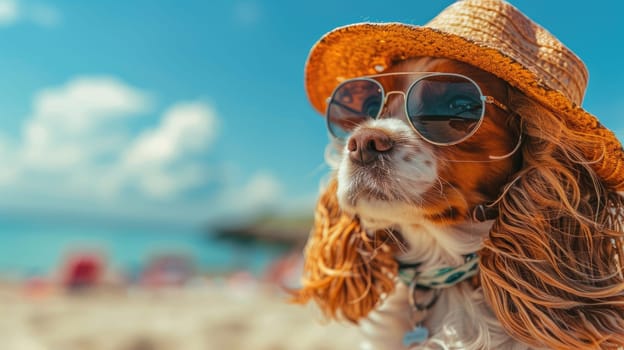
366	48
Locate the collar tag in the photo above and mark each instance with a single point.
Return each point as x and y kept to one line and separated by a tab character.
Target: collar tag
416	336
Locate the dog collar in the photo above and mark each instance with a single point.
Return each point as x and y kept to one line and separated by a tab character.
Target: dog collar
438	278
425	288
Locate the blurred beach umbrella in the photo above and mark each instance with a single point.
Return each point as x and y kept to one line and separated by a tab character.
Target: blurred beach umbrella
82	270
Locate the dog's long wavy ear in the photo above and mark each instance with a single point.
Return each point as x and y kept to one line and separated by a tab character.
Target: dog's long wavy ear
346	272
552	268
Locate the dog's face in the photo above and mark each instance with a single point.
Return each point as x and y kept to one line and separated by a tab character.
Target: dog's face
389	175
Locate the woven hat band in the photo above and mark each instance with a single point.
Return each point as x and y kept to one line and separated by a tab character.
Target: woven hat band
496	24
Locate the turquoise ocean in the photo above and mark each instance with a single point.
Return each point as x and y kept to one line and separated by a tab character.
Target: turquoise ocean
30	248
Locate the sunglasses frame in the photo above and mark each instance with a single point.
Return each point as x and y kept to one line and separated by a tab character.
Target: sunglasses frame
485	99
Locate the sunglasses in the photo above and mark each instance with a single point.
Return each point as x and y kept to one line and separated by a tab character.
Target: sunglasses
443	108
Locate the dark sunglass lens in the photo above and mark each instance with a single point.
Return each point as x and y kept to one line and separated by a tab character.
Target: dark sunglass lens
445	108
353	102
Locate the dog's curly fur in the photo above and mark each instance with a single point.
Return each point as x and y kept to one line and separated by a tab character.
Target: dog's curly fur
552	266
551	263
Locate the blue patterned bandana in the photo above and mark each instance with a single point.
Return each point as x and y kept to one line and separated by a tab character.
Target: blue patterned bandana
439	278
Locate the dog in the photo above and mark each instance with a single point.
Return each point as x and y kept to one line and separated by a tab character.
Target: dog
432	201
472	203
425	194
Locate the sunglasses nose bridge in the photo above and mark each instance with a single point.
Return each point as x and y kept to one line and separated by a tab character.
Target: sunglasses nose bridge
393	106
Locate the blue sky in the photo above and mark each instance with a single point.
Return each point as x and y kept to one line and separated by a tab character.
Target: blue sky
185	111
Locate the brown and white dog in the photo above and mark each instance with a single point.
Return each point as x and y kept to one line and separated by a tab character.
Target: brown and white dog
517	193
427	194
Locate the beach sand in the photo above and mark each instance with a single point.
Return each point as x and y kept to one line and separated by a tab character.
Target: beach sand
204	317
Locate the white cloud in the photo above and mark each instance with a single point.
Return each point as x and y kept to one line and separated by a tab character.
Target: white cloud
68	122
13	11
85	101
262	189
262	192
167	183
72	127
75	126
160	162
76	153
185	128
8	12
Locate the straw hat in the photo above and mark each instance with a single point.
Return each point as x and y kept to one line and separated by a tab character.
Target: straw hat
489	34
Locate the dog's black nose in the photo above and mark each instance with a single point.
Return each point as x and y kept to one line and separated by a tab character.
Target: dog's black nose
365	145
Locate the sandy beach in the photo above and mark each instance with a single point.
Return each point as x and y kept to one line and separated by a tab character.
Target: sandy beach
191	318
